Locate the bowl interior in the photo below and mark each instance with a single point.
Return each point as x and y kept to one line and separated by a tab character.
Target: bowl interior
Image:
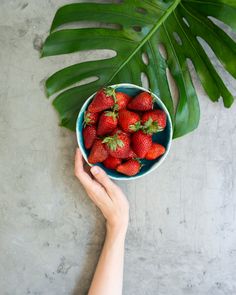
164	137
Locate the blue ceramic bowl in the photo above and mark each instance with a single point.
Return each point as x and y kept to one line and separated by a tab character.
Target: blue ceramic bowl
164	137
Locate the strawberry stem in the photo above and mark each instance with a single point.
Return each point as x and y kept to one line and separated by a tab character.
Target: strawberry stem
115	107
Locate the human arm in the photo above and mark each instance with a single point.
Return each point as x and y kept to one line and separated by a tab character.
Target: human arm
108	197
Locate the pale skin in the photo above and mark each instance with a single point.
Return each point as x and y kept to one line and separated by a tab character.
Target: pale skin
109	198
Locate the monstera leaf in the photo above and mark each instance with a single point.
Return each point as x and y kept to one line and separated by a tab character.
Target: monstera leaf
137	30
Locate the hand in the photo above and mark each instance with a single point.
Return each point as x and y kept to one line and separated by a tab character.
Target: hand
107	196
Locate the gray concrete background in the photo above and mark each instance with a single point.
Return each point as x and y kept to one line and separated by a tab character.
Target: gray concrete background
182	235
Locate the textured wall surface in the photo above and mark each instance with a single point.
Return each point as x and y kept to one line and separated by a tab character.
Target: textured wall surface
182	234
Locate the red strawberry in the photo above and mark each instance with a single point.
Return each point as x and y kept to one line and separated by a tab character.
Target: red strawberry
90	118
130	168
89	135
155	151
122	99
131	154
142	102
98	152
111	162
129	121
118	145
116	130
107	123
119	130
154	121
103	100
141	143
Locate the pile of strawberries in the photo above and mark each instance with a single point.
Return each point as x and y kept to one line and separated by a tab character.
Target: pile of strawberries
118	130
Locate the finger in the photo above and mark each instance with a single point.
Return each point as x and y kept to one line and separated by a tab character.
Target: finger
95	191
79	163
101	176
84	178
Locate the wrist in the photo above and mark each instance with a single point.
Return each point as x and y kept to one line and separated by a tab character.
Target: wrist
116	231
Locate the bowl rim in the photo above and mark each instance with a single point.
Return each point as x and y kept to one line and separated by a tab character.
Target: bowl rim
155	165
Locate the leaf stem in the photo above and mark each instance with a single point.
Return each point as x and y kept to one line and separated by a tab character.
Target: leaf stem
170	9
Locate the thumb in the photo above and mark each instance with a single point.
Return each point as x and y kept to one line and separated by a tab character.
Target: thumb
101	176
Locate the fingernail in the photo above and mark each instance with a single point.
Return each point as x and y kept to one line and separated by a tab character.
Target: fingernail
95	170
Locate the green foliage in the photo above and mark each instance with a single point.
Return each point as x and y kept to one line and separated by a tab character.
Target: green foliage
138	28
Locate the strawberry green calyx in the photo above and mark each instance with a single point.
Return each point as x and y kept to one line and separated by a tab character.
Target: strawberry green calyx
111	114
151	126
109	91
135	127
116	107
113	142
140	163
87	119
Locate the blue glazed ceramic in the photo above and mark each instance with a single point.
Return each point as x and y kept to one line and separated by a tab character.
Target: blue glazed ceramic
164	137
